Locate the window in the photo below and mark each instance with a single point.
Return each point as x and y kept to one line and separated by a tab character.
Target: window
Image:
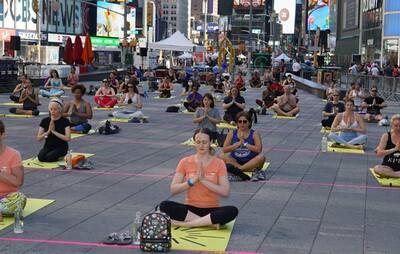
392	5
392	27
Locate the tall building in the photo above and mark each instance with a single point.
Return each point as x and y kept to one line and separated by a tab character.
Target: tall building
176	13
198	16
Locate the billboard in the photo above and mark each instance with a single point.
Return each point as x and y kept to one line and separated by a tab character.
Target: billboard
245	4
286	11
318	15
110	20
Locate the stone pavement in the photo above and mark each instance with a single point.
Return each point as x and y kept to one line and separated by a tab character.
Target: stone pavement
312	202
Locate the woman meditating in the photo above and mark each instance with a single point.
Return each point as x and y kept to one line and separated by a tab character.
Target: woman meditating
244	146
351	127
165	88
79	111
207	116
233	104
132	104
55	131
11	178
29	99
72	78
105	96
203	176
193	100
16	93
389	149
53	86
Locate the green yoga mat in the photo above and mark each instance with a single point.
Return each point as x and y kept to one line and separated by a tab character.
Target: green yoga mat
188	112
13	104
264	168
190	142
79	135
35	163
385	181
285	117
201	239
343	149
225	125
158	98
32	205
325	130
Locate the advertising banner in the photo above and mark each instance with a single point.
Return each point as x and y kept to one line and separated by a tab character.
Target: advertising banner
318	15
110	20
286	11
245	4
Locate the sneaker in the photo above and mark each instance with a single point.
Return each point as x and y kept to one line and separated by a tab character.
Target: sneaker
234	178
254	176
261	175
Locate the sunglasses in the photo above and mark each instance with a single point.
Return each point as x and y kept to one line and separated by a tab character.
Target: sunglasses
242	121
374	91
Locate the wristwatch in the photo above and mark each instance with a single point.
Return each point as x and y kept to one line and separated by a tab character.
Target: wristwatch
190	182
245	144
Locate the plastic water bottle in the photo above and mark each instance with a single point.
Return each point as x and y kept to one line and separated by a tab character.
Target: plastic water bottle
68	159
324	144
136	228
18	219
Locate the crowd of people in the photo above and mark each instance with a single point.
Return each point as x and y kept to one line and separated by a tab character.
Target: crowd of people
205	175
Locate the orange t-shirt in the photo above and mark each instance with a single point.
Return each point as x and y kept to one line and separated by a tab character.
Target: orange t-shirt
9	159
199	195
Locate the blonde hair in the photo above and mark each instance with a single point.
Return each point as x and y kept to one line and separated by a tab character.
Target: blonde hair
394	118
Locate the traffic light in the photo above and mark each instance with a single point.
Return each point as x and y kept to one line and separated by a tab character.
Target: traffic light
35	6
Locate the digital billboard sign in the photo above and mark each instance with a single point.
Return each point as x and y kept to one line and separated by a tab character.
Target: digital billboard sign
286	11
318	15
110	20
245	4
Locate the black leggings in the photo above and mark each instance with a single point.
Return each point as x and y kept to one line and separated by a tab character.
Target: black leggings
328	122
51	155
219	215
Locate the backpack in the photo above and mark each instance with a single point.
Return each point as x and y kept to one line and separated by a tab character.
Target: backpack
173	109
155	232
109	128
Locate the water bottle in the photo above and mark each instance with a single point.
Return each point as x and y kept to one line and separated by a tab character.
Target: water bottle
68	159
18	219
136	228
324	144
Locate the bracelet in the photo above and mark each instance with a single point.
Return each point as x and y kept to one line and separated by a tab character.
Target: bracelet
190	182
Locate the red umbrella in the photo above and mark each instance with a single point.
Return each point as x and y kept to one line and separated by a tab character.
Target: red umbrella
87	55
78	50
68	50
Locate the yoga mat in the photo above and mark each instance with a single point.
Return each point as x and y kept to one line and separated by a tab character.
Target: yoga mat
264	168
343	149
325	130
158	98
285	117
125	120
115	107
23	116
79	135
188	112
385	181
190	142
225	125
202	238
325	100
35	163
11	104
32	205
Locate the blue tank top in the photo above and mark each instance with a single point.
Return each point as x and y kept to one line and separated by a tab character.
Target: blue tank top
55	84
243	154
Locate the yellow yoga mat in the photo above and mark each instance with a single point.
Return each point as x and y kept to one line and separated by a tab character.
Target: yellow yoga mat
14	104
190	142
35	163
264	168
325	130
32	205
385	181
188	112
325	100
22	116
158	98
79	135
285	117
343	149
225	125
201	239
104	109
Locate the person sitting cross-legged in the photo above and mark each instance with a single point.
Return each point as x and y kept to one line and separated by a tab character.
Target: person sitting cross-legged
105	96
55	131
207	116
193	101
16	93
233	104
244	146
286	104
203	176
11	178
29	99
53	87
79	111
165	88
332	108
389	148
132	104
373	104
351	127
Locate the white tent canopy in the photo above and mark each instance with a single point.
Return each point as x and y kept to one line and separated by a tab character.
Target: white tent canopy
176	42
185	55
282	56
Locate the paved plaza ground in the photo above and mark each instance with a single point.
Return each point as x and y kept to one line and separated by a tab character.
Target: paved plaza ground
312	202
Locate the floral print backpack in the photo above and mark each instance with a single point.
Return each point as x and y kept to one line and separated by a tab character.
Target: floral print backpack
155	232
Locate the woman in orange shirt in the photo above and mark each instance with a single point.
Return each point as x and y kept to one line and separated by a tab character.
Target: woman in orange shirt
204	177
11	177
